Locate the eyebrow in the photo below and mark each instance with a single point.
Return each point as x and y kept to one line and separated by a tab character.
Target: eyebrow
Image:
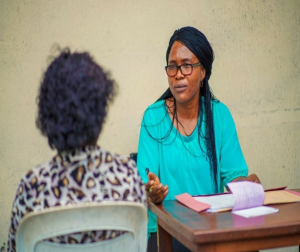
183	60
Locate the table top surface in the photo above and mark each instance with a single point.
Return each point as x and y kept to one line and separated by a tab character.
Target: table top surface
214	227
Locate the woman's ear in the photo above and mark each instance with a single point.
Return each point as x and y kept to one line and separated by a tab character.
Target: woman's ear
203	73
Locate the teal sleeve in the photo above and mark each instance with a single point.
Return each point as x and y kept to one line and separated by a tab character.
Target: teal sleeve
231	158
148	158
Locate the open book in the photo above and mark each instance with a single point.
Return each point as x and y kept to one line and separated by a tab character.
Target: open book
244	195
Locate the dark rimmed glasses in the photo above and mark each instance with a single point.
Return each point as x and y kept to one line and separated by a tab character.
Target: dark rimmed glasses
185	69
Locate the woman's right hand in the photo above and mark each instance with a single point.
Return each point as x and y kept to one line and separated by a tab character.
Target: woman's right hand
156	191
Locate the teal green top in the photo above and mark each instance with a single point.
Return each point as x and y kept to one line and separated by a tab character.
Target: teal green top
178	160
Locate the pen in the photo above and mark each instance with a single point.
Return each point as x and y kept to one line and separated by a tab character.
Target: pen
150	189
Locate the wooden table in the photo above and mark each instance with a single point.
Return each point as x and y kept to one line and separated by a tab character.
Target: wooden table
225	231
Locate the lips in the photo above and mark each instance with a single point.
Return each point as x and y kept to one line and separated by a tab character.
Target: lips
180	88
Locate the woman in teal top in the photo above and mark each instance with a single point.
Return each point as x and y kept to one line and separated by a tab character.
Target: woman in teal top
188	139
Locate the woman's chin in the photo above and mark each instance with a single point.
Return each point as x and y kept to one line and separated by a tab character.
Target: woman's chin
181	99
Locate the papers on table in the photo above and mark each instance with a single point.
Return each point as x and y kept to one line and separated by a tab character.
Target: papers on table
255	211
191	203
217	202
245	195
281	196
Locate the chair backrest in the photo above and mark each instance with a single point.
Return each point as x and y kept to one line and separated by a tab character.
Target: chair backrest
107	215
133	156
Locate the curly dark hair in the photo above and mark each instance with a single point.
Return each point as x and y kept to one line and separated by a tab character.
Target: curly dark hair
72	101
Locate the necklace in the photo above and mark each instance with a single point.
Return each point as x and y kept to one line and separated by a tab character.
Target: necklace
183	126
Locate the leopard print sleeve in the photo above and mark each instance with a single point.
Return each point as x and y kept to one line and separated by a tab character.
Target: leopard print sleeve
19	209
138	192
90	174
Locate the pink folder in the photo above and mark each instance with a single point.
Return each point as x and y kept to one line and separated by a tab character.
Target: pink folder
191	203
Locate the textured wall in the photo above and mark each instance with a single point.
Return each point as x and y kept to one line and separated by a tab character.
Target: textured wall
256	72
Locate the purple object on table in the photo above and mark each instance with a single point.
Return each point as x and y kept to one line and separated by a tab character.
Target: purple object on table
246	194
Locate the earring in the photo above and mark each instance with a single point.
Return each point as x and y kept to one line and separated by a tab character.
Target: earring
201	84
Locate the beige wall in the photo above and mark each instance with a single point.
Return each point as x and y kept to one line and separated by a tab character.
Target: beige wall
256	73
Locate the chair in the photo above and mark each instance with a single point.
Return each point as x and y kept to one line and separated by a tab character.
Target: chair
107	215
133	156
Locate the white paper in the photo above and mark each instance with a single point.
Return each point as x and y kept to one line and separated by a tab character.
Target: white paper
246	194
256	211
217	201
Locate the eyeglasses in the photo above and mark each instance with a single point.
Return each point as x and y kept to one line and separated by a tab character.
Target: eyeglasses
185	69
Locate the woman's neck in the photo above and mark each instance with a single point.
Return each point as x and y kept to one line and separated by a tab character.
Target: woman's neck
188	111
185	115
185	110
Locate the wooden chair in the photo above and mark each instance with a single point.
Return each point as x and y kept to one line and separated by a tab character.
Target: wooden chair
107	215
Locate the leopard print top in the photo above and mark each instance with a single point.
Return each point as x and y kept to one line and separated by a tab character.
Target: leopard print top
84	175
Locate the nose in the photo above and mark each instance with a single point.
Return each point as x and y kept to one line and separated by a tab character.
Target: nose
179	74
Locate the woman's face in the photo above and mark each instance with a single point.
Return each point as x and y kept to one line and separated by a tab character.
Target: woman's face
185	89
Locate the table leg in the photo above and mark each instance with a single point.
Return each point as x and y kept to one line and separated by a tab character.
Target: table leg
164	240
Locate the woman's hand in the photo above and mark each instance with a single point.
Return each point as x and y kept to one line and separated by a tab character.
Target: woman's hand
252	178
156	191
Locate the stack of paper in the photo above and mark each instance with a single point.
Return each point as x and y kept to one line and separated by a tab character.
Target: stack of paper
223	202
247	199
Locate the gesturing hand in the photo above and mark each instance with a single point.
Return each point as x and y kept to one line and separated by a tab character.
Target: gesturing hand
156	191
